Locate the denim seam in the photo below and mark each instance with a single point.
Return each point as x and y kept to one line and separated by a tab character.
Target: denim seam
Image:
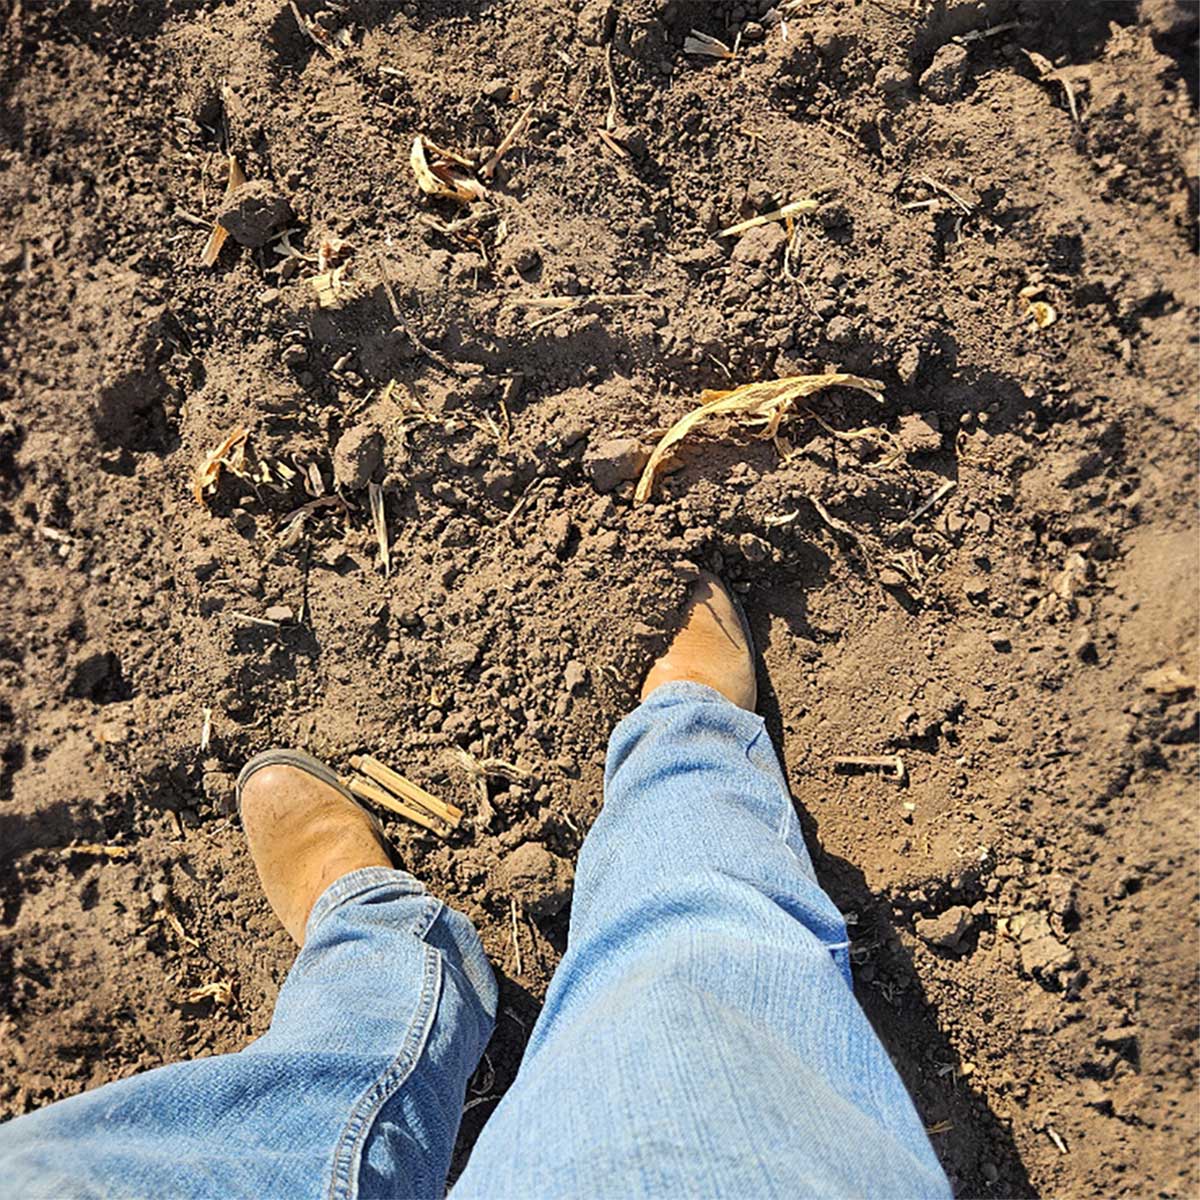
347	1156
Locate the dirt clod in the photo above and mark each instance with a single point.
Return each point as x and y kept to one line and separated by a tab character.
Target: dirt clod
614	462
254	213
357	456
947	74
540	881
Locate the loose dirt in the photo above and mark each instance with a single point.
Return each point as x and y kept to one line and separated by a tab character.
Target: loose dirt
1022	905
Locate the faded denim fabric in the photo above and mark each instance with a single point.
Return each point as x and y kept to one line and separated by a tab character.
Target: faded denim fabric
700	1037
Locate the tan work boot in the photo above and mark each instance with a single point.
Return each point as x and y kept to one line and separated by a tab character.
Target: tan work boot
304	832
712	647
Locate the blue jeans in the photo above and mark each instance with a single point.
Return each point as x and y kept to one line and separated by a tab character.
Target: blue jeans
700	1037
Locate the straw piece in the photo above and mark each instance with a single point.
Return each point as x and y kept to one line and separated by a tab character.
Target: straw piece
366	790
405	788
779	214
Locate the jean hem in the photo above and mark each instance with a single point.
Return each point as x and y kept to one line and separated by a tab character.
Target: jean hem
356	883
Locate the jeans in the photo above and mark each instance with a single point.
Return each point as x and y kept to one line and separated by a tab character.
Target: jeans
700	1037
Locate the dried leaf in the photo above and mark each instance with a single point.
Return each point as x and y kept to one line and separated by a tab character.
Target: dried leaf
702	43
216	239
441	179
779	214
230	453
765	403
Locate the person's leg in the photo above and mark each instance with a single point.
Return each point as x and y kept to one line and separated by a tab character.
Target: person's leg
356	1089
700	1037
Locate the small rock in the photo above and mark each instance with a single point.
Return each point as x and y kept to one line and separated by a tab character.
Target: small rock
614	462
983	522
159	893
947	74
754	549
539	881
753	32
357	456
254	212
975	587
497	90
947	929
279	612
890	577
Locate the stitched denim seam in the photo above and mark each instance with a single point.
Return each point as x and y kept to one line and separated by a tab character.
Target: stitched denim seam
344	1181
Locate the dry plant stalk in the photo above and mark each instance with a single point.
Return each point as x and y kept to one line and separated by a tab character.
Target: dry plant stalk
890	766
230	453
365	790
779	214
379	520
765	403
1048	72
218	234
405	788
443	178
507	142
101	850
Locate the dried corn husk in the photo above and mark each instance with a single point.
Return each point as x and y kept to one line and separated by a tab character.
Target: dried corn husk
231	453
442	178
764	403
216	239
702	43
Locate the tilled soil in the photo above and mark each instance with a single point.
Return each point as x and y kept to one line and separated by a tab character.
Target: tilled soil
1022	905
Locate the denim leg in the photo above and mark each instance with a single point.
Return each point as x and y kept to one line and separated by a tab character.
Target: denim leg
356	1089
701	1037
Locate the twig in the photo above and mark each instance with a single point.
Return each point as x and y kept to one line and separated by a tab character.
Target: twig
506	144
953	195
778	214
944	490
307	30
261	622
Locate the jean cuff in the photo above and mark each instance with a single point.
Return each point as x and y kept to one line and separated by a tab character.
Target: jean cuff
357	883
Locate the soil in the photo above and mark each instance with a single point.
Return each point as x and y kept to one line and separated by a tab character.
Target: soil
1022	905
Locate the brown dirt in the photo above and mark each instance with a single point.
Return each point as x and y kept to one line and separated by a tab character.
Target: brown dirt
1023	909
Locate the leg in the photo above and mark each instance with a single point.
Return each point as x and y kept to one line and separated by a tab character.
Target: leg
701	1037
356	1090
